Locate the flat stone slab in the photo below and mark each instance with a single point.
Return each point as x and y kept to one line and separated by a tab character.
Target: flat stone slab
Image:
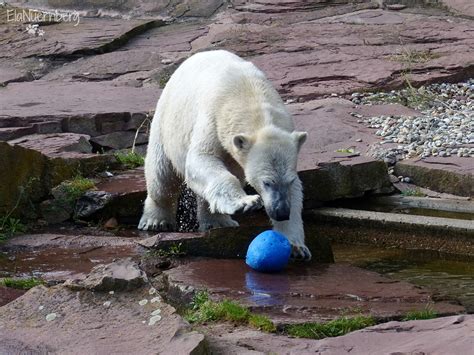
58	320
305	292
448	335
127	8
68	241
57	145
83	36
75	104
303	64
57	257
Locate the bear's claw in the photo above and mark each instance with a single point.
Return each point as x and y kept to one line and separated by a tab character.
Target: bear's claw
155	225
300	252
251	203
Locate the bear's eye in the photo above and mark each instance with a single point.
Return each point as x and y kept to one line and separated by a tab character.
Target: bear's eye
268	184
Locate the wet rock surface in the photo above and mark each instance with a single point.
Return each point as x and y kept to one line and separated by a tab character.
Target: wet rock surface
304	292
443	335
121	275
87	322
8	294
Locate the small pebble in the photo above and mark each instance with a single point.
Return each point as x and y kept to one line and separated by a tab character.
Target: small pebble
40	308
155	299
153	320
51	316
156	312
111	223
446	121
107	304
111	292
143	302
152	291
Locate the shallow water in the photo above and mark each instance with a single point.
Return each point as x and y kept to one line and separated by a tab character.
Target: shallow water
449	279
57	264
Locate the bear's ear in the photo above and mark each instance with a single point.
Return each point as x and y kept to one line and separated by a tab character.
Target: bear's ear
242	142
300	138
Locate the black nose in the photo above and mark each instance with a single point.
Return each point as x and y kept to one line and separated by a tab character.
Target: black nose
282	213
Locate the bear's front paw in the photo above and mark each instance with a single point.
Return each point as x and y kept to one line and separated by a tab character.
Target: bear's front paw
155	224
249	203
216	221
300	252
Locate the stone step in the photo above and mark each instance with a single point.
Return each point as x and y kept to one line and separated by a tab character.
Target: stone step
229	242
448	236
9	133
455	176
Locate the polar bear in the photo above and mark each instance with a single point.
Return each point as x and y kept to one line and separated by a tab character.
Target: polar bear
218	124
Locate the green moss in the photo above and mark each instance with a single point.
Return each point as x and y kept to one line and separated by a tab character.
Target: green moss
22	284
427	313
204	310
174	251
413	192
130	160
75	188
346	150
333	328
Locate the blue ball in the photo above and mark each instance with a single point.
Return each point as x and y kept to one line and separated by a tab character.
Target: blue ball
269	252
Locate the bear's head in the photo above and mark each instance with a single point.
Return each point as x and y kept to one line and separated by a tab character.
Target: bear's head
269	160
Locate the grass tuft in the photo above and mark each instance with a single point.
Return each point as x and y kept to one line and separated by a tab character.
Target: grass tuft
262	323
204	310
75	188
9	227
427	313
22	284
333	328
409	57
130	160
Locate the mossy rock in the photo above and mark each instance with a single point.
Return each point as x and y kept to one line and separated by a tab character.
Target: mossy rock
334	180
22	170
27	176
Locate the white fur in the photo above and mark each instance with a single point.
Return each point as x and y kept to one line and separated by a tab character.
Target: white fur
210	99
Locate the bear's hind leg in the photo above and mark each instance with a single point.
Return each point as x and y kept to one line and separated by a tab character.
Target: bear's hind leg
208	220
159	212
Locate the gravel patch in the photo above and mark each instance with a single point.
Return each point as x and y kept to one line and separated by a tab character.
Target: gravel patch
444	128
